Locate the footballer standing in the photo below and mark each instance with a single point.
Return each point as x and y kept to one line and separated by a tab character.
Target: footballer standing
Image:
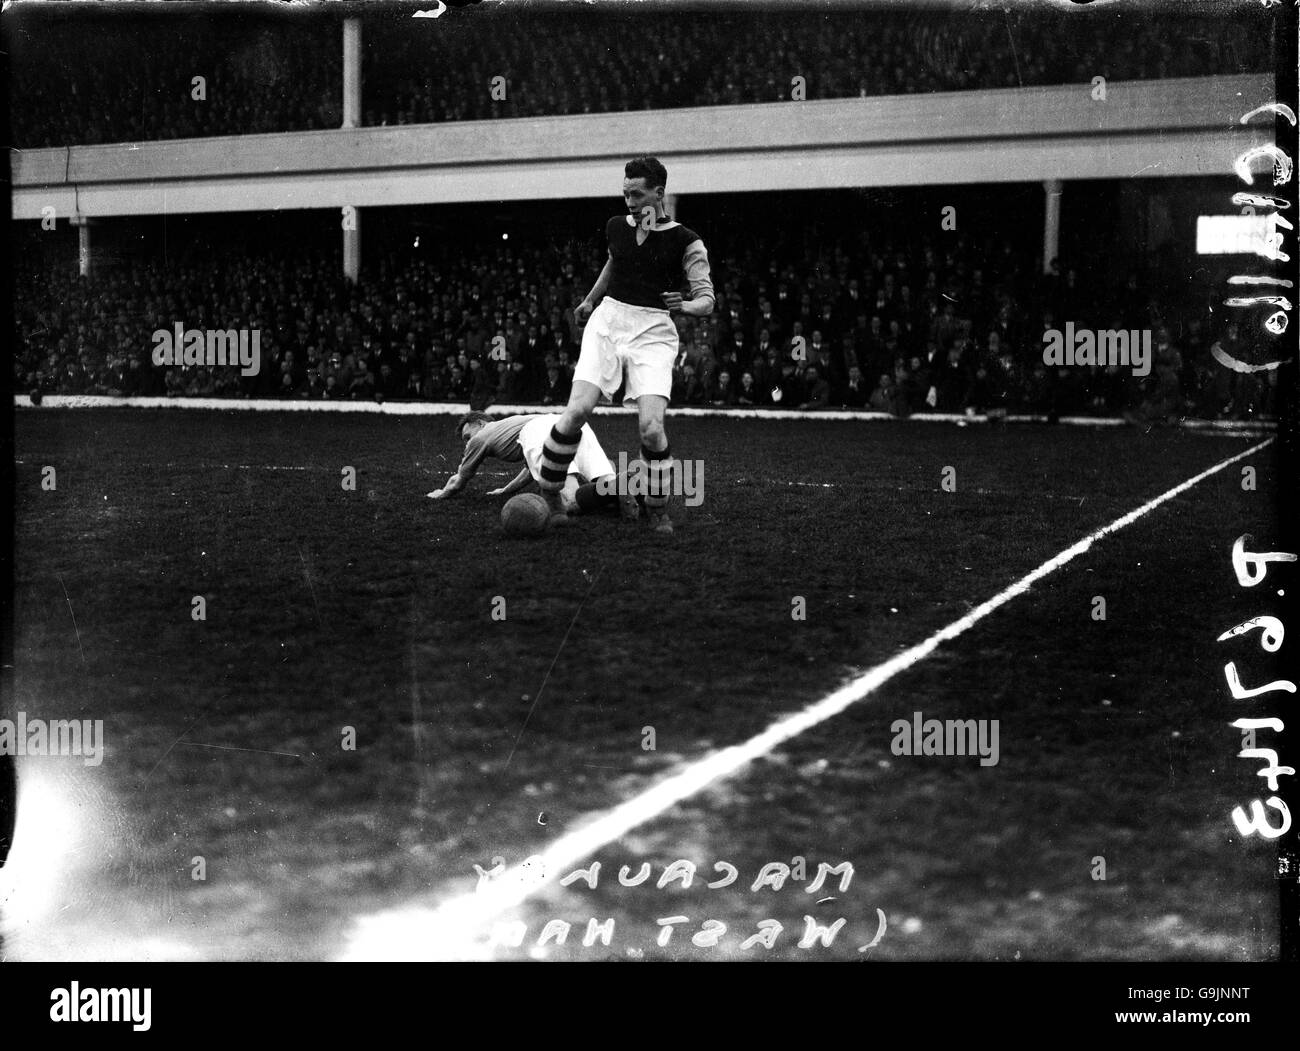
630	329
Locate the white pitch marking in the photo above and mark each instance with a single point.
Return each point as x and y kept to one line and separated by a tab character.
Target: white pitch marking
916	489
424	408
260	467
453	930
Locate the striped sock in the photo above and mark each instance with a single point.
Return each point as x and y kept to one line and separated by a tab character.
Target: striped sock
558	452
660	477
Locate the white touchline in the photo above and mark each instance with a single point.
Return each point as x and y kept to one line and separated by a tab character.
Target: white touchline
448	932
258	467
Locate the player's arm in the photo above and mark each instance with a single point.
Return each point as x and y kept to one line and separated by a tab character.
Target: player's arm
475	451
583	310
453	486
514	485
695	261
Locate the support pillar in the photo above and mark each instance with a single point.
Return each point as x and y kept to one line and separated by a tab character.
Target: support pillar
351	243
1051	223
351	119
85	254
351	72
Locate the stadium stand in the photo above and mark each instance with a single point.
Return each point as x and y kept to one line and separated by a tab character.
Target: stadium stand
132	80
900	327
285	75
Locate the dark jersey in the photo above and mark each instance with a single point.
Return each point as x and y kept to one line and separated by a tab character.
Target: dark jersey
642	272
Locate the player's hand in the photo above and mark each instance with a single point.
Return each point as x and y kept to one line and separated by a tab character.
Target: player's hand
672	300
438	494
497	492
582	312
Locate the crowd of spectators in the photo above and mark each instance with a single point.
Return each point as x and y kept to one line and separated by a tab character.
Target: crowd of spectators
134	81
608	63
905	326
88	80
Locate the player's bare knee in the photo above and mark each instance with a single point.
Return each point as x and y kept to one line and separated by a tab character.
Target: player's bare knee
572	419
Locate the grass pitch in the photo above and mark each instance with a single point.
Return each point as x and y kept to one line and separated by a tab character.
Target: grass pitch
476	738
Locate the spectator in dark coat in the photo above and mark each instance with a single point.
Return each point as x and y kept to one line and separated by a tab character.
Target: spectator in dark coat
518	389
691	388
907	393
817	391
555	390
363	382
855	393
765	345
482	391
723	390
458	387
885	397
767	322
950	380
388	385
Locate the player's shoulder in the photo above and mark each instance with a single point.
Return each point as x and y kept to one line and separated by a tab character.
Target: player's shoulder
687	235
509	424
491	429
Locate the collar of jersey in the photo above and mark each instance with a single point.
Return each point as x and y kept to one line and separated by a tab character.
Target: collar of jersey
666	223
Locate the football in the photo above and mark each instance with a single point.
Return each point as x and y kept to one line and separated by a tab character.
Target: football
525	515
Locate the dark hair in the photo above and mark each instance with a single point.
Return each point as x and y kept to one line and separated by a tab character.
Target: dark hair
647	168
472	417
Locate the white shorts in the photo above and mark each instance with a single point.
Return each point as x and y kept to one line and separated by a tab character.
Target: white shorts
642	338
590	461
